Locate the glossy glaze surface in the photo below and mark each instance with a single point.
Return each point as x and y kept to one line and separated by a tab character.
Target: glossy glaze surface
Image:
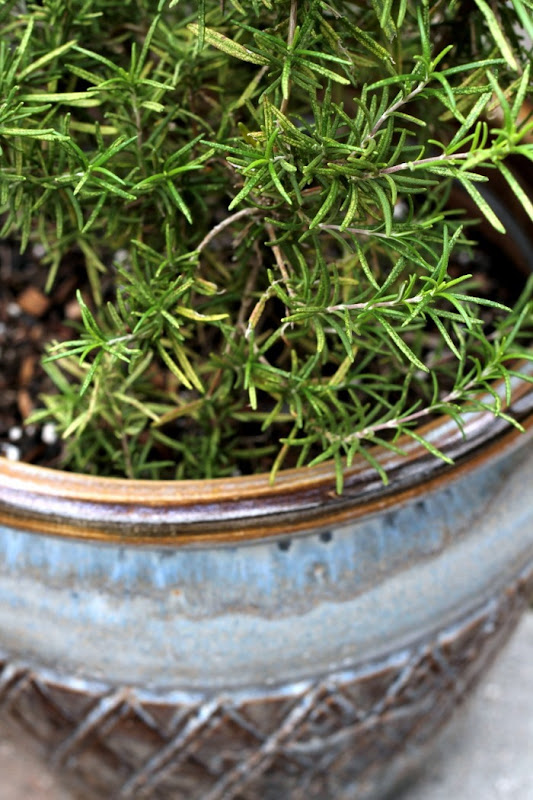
266	611
315	664
233	640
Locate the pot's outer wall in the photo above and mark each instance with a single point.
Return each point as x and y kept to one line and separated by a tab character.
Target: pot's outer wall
230	640
268	612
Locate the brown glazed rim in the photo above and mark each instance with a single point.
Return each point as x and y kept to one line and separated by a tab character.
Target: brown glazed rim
249	507
246	508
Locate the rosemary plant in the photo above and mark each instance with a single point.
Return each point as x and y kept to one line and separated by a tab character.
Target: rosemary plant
260	193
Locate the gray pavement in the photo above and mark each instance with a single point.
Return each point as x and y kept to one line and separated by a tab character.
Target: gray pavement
486	754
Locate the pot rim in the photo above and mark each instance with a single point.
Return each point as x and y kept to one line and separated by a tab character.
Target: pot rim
249	507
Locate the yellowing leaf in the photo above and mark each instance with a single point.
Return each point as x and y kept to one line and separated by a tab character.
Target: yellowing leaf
228	46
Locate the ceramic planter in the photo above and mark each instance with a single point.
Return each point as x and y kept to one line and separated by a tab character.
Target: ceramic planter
232	640
236	640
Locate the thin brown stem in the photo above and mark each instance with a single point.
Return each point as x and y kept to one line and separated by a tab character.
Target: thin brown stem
280	261
359	231
244	212
394	424
414	164
382	304
248	293
394	107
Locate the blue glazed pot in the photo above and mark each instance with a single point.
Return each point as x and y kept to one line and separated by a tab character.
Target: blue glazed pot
232	640
236	640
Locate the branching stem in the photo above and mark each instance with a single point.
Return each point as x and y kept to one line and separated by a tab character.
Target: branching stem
382	304
394	107
280	261
413	164
394	424
358	231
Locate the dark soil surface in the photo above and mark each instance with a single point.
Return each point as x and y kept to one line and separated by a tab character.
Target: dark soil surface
28	319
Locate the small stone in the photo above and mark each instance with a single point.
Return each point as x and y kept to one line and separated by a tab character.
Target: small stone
15	433
36	332
400	210
11	452
121	256
49	433
463	257
72	310
33	302
13	309
26	371
25	404
39	251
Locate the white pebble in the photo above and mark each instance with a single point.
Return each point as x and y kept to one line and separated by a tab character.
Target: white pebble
121	256
463	257
13	309
39	250
15	433
49	433
11	452
400	210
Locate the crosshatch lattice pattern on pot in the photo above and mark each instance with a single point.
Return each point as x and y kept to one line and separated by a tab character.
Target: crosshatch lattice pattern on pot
126	744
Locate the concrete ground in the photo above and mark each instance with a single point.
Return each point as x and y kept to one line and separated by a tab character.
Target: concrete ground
486	754
487	751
